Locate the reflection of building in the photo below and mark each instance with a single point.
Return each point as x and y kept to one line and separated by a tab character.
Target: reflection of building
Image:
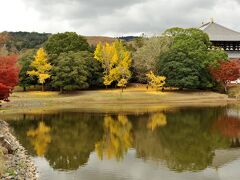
223	37
234	113
223	157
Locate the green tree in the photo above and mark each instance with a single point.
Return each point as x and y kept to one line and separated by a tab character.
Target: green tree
95	71
186	63
25	61
41	67
63	43
71	71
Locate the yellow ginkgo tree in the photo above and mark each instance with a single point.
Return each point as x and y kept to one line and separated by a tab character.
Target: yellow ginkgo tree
155	81
122	70
41	67
116	61
104	54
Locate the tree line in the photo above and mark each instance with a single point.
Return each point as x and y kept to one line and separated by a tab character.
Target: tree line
182	58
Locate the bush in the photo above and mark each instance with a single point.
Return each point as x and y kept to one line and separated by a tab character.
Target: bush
234	92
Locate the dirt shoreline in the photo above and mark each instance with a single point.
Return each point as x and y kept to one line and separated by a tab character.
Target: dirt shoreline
16	164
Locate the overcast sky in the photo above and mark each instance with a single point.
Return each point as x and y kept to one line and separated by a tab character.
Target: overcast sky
114	17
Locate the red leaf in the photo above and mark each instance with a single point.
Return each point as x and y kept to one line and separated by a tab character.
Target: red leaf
227	71
8	75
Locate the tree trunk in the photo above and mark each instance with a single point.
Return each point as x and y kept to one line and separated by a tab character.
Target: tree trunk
61	90
225	88
122	88
24	89
42	87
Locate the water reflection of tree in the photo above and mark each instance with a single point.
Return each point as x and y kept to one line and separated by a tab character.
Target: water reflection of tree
73	137
117	138
228	126
156	120
186	143
40	138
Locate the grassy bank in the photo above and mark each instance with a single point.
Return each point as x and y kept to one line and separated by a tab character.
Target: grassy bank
131	100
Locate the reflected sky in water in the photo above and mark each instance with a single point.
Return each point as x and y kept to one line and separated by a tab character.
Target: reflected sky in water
185	143
132	168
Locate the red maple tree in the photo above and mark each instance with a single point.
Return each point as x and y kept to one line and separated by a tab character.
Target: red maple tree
226	72
8	76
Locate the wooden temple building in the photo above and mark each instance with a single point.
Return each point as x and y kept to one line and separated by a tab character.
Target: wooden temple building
223	37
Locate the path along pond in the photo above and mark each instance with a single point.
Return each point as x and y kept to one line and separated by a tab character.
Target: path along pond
176	144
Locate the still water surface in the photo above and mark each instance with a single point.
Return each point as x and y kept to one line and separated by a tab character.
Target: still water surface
178	144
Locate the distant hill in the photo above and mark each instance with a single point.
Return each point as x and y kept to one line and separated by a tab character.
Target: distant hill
128	38
27	40
94	40
14	42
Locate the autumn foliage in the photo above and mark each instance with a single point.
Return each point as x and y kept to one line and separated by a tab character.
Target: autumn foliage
155	81
8	76
228	126
4	37
41	67
226	72
116	61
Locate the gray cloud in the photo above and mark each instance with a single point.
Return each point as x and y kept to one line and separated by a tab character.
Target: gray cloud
78	9
119	17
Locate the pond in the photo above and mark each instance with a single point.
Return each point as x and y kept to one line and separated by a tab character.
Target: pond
175	144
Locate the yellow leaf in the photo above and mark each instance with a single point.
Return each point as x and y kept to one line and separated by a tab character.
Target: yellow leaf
41	66
116	61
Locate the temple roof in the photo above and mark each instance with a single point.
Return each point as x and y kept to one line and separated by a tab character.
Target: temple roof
218	32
